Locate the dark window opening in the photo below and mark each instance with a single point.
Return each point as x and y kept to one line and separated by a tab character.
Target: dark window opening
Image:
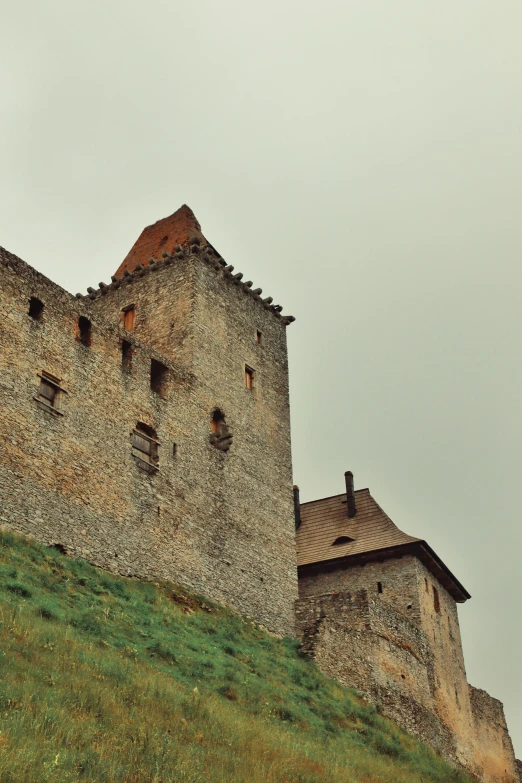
158	377
259	337
409	606
379	587
128	315
174	450
85	331
145	447
220	435
36	308
436	600
249	377
342	540
126	355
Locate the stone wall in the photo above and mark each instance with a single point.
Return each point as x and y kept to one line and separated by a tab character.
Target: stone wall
369	646
493	748
381	628
220	523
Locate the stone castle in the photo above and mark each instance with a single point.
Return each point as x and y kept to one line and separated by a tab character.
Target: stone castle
146	428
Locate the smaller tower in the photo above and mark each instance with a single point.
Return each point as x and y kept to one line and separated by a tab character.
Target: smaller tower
378	610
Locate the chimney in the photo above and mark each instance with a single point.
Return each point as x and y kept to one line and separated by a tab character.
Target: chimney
350	494
297	508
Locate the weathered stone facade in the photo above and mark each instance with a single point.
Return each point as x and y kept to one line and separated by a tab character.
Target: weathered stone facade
145	427
390	629
219	521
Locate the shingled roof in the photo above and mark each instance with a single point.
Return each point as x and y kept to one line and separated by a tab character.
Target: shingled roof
372	536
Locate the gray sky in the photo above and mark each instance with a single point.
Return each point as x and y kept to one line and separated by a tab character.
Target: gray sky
361	162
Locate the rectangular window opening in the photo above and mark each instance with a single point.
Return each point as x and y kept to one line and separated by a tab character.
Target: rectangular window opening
249	377
49	391
84	331
379	587
259	337
36	308
145	448
129	317
159	374
126	355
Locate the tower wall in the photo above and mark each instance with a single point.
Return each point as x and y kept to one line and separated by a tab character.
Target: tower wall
220	523
402	649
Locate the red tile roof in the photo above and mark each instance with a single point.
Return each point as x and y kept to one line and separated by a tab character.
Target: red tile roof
373	534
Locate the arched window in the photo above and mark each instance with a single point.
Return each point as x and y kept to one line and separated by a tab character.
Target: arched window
220	435
342	540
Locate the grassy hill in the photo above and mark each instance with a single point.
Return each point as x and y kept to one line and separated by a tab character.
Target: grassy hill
106	680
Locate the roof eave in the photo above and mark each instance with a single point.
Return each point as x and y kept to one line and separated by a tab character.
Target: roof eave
419	548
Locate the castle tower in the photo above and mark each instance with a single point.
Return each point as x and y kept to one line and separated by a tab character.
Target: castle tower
146	425
378	611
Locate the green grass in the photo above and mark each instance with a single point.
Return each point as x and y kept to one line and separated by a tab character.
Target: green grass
106	680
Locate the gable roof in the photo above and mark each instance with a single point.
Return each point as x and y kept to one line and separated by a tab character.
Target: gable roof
374	537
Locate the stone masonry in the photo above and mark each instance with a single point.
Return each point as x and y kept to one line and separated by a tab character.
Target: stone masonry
218	520
145	427
381	616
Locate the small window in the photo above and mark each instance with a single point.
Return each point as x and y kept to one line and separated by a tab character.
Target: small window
426	585
145	448
126	355
259	337
128	315
36	308
220	435
342	540
159	374
379	587
436	600
249	377
49	391
84	331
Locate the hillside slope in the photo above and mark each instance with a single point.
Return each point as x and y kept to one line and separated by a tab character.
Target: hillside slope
106	680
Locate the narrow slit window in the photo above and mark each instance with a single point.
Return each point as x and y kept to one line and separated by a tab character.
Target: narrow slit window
126	355
84	331
128	315
36	308
259	337
379	587
145	448
249	377
436	600
159	375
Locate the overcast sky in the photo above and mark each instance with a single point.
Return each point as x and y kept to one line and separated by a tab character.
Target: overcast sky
361	162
